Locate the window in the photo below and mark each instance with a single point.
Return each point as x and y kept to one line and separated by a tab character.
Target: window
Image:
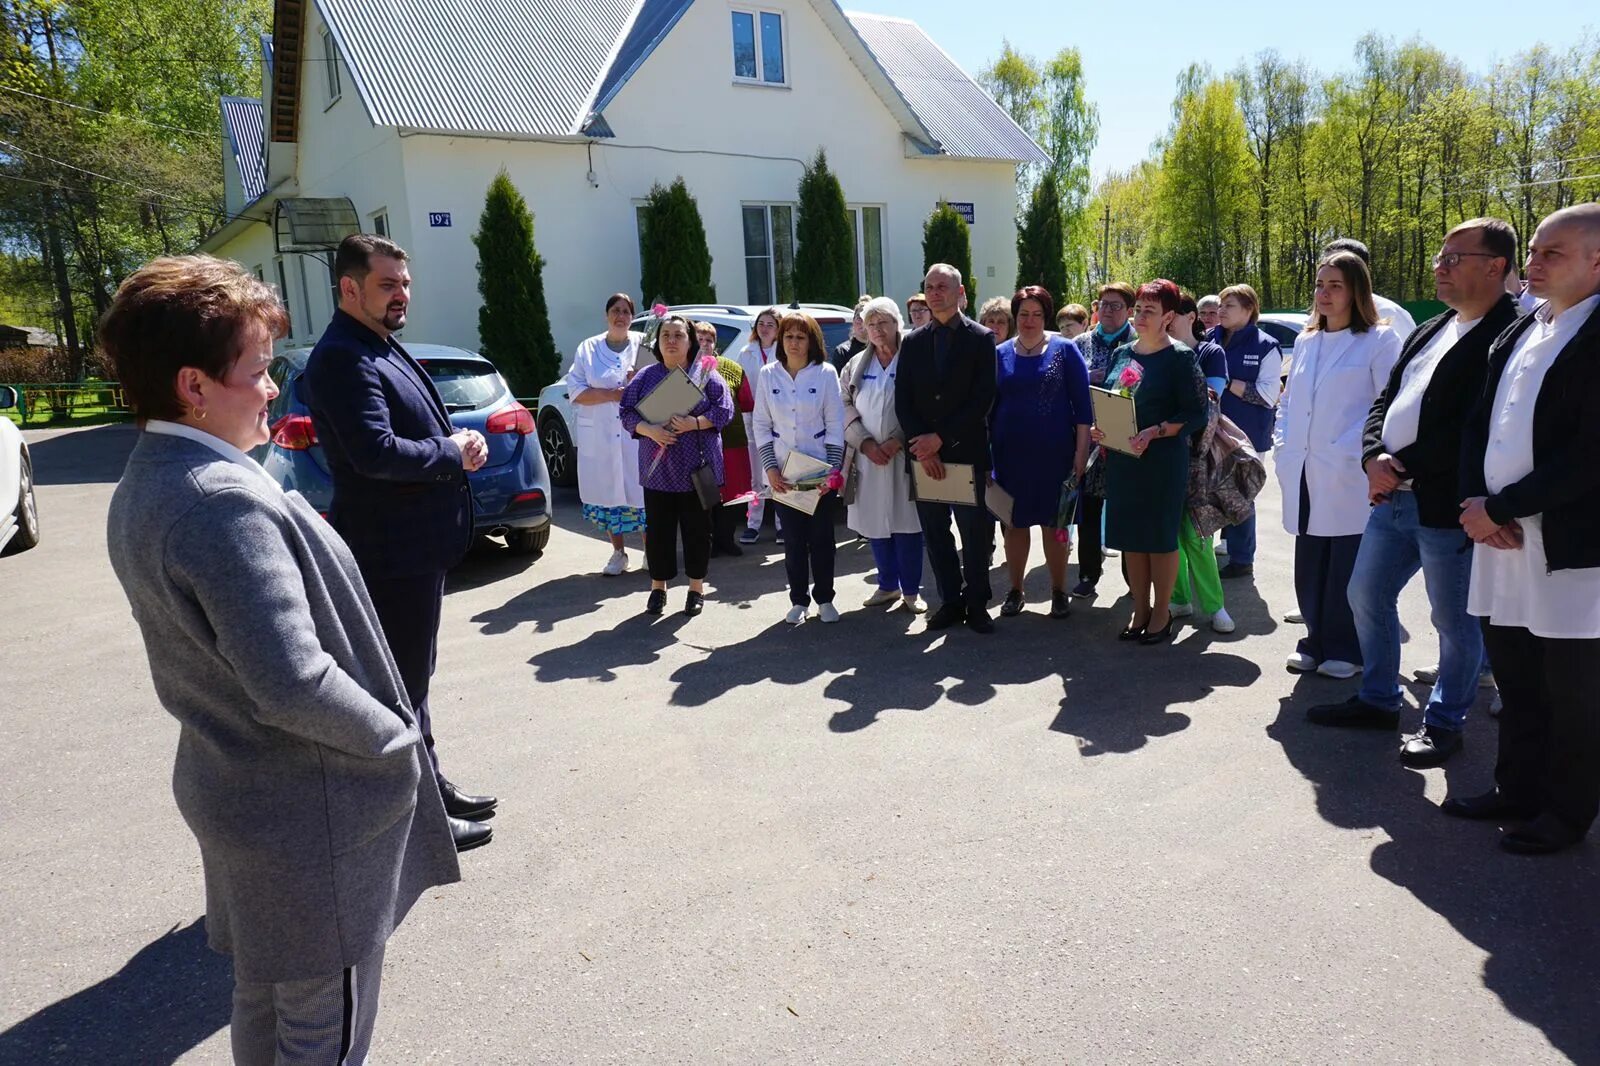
305	293
259	275
380	222
866	229
283	291
330	59
769	253
758	47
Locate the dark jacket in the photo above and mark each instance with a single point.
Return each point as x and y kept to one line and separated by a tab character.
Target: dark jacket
1244	352
844	352
400	494
1433	462
1564	486
956	403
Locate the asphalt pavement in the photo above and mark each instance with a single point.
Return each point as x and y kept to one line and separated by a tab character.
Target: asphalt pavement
722	840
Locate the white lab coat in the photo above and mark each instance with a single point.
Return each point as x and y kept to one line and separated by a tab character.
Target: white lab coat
608	456
1333	379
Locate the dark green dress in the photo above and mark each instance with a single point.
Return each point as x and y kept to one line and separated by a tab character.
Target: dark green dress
1145	495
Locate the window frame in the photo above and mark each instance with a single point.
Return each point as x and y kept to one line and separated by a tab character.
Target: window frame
330	59
282	270
857	232
765	206
755	13
380	222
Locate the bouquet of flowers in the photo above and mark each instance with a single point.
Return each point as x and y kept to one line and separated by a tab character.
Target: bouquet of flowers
1129	378
1067	507
833	481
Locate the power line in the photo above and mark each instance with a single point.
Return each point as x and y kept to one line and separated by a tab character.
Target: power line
112	114
1539	164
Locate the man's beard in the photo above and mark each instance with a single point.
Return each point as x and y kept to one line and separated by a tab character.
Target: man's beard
392	318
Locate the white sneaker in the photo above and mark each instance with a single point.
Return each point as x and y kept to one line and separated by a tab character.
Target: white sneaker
1109	553
914	604
1294	617
617	565
796	615
1300	662
1181	610
881	597
1221	548
827	612
1222	621
1338	669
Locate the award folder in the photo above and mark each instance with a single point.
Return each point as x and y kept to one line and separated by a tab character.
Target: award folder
960	485
798	466
1116	417
673	395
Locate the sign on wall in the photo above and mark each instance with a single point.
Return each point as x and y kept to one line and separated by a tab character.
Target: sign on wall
964	210
442	218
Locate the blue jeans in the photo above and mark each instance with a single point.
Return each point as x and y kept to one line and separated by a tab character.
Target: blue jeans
899	559
1396	545
1241	541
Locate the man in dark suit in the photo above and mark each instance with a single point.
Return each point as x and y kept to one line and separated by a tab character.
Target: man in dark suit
945	387
1411	450
400	494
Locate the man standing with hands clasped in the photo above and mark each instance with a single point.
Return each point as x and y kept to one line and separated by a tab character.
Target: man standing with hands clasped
943	393
1531	487
400	494
1411	451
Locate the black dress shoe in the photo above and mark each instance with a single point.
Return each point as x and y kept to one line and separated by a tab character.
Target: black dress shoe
657	601
1132	632
979	622
1060	604
1490	806
469	835
459	804
728	546
1354	713
1084	590
694	604
946	616
1429	747
1012	605
1545	835
1236	570
1158	636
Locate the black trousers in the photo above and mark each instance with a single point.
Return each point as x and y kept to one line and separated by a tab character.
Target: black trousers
1322	570
962	578
1550	725
1091	561
666	516
809	550
408	609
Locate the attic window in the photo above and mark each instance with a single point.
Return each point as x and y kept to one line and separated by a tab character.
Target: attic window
758	47
330	59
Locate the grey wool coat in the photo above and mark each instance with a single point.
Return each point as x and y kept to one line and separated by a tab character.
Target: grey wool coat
300	768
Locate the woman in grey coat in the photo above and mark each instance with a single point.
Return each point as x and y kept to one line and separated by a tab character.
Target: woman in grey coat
299	765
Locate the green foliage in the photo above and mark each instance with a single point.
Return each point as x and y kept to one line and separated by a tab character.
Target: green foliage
945	239
825	261
1203	197
513	320
1040	240
677	260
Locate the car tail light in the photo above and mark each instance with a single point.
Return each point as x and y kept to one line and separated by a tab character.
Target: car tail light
522	498
513	418
294	432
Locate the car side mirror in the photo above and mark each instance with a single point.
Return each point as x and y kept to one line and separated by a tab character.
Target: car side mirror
8	397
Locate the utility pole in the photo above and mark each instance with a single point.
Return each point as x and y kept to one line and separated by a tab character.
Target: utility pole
1105	248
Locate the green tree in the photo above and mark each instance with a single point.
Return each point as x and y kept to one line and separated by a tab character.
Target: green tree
1069	128
945	239
825	261
1206	177
1040	258
513	320
676	259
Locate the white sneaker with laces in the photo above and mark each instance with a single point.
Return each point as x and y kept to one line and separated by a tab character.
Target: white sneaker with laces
827	612
617	565
1338	669
1181	610
881	597
1222	621
796	615
914	604
1300	662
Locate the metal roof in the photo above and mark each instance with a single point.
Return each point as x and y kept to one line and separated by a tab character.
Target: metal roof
650	27
966	122
247	132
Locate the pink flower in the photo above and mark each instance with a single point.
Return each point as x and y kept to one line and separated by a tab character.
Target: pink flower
835	481
1131	375
1061	536
660	310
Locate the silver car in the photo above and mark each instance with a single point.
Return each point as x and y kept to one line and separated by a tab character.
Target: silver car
19	508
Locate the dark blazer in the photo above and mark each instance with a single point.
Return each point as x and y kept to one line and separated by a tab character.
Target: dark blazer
1564	486
956	404
400	494
1434	460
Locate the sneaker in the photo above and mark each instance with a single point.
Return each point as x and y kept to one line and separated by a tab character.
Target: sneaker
881	597
1182	610
1338	669
1084	590
1012	605
1221	548
1060	604
914	604
827	612
1109	553
617	565
1294	617
749	536
796	615
1222	621
1496	705
1300	662
1428	675
1354	713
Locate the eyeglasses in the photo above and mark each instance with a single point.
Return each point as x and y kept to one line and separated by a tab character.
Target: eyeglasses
1106	306
1451	260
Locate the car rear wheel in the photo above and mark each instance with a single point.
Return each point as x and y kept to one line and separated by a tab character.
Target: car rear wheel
27	512
528	541
560	455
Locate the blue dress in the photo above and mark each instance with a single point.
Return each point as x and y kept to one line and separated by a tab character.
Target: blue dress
1040	402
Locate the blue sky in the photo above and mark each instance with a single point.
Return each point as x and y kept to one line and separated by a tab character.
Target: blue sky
1132	58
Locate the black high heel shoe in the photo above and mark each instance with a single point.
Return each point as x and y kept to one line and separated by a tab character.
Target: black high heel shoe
1159	636
1132	633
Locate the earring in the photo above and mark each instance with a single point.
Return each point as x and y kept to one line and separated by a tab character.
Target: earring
199	414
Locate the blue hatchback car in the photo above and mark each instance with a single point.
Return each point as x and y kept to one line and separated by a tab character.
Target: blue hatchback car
510	493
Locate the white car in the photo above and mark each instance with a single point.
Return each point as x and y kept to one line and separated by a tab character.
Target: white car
733	324
1284	327
19	509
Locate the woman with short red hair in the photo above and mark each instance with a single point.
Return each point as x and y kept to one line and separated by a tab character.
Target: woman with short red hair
1146	483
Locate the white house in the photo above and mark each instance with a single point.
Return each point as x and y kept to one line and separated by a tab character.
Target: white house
393	118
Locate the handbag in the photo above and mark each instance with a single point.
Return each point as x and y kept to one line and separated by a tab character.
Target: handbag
705	484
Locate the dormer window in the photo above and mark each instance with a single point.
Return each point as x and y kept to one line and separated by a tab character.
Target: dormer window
330	59
758	47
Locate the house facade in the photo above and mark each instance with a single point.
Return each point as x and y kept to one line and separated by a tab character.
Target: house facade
394	120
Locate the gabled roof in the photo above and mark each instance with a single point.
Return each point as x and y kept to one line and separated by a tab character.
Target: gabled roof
246	132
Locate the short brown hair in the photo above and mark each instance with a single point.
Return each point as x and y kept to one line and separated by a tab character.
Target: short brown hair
1076	312
1498	238
1247	296
1120	288
998	305
178	311
817	353
354	257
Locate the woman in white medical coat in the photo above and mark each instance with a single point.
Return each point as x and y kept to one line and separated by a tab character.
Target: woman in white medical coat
1341	362
761	350
608	456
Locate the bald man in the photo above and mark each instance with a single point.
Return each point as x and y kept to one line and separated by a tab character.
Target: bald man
1531	489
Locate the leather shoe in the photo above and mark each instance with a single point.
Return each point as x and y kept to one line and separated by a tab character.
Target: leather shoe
1545	835
1233	570
1430	746
979	622
1354	713
1492	805
459	804
946	616
469	835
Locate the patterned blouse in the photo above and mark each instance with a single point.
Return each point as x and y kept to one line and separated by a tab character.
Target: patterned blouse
695	448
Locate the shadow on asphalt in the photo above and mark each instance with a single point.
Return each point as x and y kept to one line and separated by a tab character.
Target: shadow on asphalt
94	456
167	1000
1534	917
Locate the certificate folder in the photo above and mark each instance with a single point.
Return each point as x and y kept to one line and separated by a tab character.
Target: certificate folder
1116	417
960	484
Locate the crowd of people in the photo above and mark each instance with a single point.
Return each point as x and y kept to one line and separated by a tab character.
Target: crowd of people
296	652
